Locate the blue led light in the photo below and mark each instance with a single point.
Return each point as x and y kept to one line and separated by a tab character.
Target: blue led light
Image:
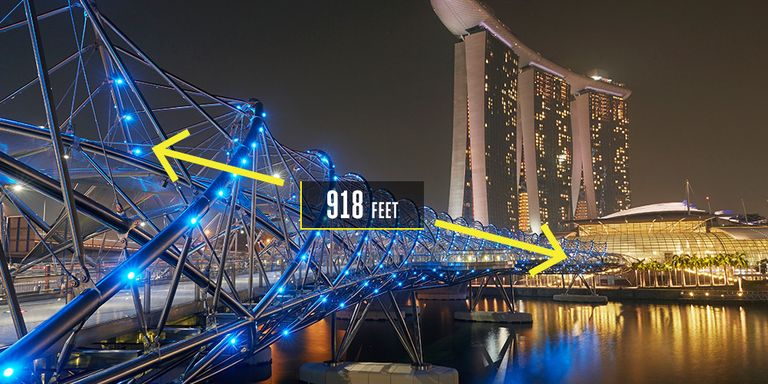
376	291
346	272
423	278
393	275
236	139
263	114
128	117
280	290
130	275
335	178
220	192
233	340
253	145
285	332
324	300
399	284
119	80
342	305
434	269
8	371
303	257
136	151
193	220
365	284
261	129
243	161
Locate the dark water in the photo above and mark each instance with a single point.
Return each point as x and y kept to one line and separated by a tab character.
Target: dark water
617	343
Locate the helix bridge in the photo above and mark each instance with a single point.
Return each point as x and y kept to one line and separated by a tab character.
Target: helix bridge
81	106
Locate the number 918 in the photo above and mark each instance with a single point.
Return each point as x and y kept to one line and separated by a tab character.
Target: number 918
338	205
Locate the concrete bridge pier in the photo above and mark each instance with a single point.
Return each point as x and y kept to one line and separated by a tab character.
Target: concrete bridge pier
359	373
338	371
511	316
591	298
453	292
263	357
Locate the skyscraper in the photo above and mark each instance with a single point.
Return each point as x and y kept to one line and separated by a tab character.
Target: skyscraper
609	135
547	137
514	108
483	182
603	164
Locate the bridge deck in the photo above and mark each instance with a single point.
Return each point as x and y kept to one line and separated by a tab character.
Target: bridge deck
119	307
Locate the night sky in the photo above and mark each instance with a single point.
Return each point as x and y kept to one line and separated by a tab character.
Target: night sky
371	82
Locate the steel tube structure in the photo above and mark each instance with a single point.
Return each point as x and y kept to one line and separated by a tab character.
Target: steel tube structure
47	333
125	201
52	120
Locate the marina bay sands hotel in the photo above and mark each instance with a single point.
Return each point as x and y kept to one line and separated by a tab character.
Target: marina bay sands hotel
533	142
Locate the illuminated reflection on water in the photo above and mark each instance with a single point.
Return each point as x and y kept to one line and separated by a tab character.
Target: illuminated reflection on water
619	342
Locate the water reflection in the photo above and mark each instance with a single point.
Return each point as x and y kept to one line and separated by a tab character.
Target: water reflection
618	342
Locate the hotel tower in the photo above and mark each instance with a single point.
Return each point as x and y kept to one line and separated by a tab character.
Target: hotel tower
527	128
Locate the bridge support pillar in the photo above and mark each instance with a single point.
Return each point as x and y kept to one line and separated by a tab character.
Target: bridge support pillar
358	373
260	358
494	317
591	298
510	316
454	292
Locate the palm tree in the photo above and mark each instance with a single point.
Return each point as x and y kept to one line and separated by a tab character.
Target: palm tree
687	263
709	261
721	261
741	260
737	260
655	266
647	276
668	267
696	263
637	266
679	263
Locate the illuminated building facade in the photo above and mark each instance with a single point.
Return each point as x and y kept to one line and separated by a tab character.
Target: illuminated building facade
523	210
484	167
581	207
659	231
602	144
547	137
609	135
536	112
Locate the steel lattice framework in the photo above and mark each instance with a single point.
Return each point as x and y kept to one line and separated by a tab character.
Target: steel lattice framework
77	135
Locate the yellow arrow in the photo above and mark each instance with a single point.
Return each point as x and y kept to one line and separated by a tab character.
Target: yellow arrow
163	152
556	254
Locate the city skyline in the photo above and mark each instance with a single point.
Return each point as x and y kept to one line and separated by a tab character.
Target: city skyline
671	123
